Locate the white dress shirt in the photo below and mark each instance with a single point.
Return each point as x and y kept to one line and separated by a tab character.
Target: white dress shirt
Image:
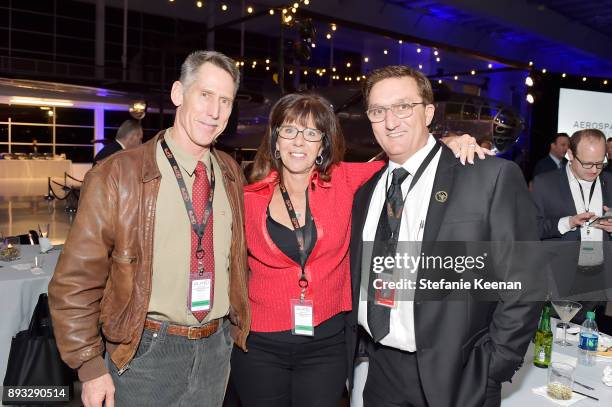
401	327
595	205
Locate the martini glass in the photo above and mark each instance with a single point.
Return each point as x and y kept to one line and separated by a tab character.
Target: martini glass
566	311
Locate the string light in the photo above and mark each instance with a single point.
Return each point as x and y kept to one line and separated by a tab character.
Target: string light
563	75
305	72
348	64
530	98
241	63
530	63
385	52
363	76
199	4
358	78
455	77
436	52
288	19
296	5
306	2
267	61
313	45
224	7
529	81
334	69
544	70
249	9
271	11
584	79
291	72
440	81
490	66
473	72
328	36
418	50
333	27
400	41
284	11
420	66
267	68
293	10
438	59
605	82
366	59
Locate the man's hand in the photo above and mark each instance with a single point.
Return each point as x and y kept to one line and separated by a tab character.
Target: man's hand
579	219
605	225
465	148
97	391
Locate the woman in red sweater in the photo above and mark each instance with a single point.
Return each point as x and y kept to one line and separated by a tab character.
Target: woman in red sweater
298	213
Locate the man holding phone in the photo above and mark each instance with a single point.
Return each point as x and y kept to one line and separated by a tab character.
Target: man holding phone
574	206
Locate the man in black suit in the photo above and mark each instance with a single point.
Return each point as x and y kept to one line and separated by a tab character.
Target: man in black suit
556	156
568	199
608	167
438	353
129	135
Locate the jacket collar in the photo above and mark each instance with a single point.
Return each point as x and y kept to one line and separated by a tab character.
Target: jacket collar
150	170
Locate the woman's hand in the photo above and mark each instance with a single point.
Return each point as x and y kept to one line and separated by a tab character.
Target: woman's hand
465	148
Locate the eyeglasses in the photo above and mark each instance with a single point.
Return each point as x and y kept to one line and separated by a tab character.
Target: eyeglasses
400	110
291	132
588	166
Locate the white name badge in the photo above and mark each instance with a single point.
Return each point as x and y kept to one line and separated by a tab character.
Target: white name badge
301	317
200	293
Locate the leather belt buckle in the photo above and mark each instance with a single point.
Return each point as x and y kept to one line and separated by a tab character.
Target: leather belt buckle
194	332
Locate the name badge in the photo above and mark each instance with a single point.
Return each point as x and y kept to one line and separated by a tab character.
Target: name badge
385	296
200	293
301	317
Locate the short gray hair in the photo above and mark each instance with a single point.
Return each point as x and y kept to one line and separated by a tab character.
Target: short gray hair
198	58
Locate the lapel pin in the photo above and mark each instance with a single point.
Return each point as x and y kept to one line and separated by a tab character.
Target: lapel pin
441	196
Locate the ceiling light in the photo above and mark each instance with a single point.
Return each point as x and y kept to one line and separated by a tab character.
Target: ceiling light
530	98
199	4
563	75
529	81
224	7
385	52
544	70
418	50
333	27
21	100
490	66
584	78
366	59
473	72
271	11
249	9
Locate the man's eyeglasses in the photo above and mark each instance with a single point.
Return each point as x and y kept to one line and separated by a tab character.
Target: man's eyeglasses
588	166
401	110
291	132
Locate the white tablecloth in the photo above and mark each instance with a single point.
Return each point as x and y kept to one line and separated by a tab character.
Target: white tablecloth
19	291
34	168
519	394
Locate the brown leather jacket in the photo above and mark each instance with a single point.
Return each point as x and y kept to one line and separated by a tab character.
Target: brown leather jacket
103	276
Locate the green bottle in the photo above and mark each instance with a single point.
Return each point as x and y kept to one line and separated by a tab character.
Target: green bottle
543	340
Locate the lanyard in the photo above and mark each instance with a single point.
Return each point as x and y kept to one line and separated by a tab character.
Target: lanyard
413	182
299	235
586	208
198	228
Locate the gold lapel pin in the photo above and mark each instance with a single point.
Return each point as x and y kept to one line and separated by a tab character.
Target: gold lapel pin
441	196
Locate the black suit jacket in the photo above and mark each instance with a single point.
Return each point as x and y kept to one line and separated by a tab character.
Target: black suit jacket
460	345
109	149
547	164
553	198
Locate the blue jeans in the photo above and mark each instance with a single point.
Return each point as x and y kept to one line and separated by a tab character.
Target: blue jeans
170	370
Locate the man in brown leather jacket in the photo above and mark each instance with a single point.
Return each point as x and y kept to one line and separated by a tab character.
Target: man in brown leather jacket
152	273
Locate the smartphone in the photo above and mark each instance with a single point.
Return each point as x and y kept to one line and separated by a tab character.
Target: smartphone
606	216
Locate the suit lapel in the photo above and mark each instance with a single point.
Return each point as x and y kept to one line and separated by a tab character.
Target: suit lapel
566	192
442	188
361	204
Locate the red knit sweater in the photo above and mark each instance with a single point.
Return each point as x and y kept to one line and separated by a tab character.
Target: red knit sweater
273	280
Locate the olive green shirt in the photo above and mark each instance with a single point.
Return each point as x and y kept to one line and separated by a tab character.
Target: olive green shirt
172	241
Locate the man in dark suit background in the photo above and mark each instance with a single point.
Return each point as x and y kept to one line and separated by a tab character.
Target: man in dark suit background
434	353
129	135
608	167
556	156
567	200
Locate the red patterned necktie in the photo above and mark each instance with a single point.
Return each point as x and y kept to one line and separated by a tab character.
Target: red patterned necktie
199	196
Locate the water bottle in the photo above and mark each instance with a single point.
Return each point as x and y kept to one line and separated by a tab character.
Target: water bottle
587	345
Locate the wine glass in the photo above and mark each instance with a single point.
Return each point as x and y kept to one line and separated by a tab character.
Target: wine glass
566	311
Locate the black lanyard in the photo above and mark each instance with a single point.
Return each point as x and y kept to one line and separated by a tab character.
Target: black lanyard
413	182
301	238
198	228
586	208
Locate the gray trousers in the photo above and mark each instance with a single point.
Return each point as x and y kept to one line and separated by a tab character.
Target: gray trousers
170	370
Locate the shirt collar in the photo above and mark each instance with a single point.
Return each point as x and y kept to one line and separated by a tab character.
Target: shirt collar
413	163
183	158
555	159
574	179
120	143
